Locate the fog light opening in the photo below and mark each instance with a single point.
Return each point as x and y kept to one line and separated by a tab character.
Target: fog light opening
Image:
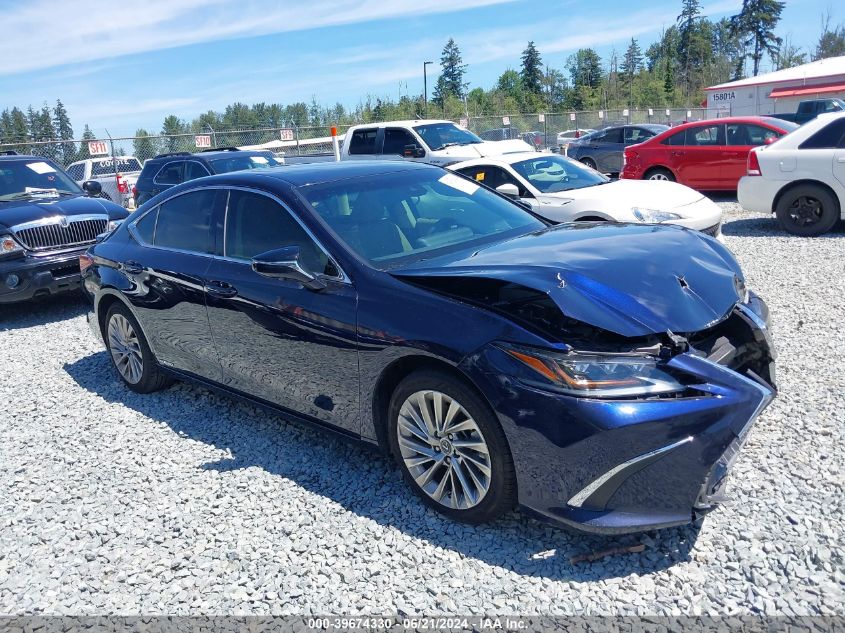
12	281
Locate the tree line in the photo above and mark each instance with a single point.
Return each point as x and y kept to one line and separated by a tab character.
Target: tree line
693	53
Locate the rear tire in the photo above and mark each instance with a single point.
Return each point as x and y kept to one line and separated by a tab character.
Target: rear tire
659	173
589	162
807	210
130	354
451	448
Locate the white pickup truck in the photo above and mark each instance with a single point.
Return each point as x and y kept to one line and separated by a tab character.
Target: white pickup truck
116	176
424	140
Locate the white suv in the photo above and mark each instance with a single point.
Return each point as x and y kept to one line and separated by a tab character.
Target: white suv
116	175
800	177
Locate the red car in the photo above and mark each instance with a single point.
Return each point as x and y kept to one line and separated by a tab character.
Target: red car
707	155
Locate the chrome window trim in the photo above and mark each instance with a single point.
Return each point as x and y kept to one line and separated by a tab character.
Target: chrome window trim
133	231
342	277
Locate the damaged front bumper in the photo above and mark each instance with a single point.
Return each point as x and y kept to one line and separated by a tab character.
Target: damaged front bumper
625	465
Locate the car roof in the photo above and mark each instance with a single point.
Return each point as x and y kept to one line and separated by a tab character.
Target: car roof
317	173
503	159
406	122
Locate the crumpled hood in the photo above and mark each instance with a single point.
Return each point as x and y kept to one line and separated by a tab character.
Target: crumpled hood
625	278
648	194
19	211
487	148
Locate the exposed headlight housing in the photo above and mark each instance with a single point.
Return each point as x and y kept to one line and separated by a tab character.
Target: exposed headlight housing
597	375
653	216
8	245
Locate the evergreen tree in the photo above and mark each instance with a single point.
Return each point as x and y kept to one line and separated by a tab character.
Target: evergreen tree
87	135
452	70
172	128
694	46
144	146
754	25
632	62
63	132
585	68
532	70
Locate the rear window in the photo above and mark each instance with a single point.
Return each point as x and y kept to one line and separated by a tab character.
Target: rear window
363	141
830	136
107	167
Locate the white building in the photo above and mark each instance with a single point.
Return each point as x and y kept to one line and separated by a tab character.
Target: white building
780	91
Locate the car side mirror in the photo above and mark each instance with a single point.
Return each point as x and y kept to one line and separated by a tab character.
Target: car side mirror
509	189
413	151
283	263
92	188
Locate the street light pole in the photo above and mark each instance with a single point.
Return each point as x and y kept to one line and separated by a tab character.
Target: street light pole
425	87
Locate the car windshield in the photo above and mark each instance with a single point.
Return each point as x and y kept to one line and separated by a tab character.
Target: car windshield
551	174
402	217
237	163
34	177
441	135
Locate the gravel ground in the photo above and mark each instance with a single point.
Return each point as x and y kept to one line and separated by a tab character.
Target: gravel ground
185	502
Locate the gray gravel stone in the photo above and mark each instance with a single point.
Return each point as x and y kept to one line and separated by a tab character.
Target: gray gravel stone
185	502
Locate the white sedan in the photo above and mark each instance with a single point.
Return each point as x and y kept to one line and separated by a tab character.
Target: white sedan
800	177
563	190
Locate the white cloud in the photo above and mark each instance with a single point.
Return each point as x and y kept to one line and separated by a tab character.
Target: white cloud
86	30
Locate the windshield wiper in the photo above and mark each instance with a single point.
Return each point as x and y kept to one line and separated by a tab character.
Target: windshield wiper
445	145
23	195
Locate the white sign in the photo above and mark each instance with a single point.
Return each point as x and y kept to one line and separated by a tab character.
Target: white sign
506	120
286	134
724	96
650	112
463	122
668	112
689	114
571	116
601	114
541	118
97	148
202	140
625	112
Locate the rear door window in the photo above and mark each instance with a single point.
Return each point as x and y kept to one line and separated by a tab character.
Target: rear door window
830	136
674	140
611	136
395	140
171	173
363	141
194	170
635	135
184	222
706	136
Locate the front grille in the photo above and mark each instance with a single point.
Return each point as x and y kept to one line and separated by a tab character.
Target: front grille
52	236
713	231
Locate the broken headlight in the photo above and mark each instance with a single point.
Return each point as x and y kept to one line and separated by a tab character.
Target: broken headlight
597	375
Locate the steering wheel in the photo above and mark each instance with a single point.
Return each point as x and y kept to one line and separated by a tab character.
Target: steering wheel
445	224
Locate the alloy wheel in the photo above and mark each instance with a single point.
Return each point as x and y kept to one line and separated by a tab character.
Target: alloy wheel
443	449
125	349
658	176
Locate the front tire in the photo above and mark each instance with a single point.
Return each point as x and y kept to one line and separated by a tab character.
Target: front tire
589	162
659	173
450	448
807	210
130	353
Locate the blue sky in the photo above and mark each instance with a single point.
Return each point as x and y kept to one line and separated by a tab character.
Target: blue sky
122	65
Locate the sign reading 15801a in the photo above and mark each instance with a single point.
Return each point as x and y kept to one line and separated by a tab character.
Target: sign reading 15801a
724	96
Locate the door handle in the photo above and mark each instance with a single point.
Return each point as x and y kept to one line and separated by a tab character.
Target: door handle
132	267
221	289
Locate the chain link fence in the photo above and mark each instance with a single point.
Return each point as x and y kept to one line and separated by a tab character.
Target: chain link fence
111	154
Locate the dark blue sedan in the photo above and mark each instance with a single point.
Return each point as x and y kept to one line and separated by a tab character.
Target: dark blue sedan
602	376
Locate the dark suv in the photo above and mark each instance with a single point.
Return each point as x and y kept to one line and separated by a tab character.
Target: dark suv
46	223
167	170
